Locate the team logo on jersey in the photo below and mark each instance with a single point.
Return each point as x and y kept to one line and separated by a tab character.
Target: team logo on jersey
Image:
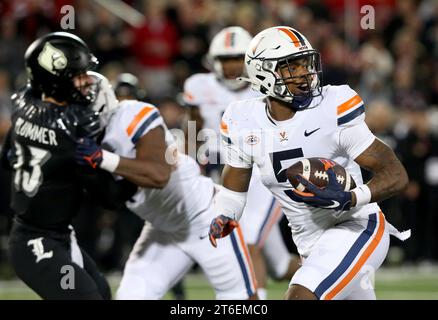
52	59
252	140
283	136
38	249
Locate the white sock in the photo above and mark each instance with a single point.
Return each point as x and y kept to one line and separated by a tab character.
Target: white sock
261	292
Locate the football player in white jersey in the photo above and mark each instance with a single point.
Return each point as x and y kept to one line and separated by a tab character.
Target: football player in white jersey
175	201
342	236
207	95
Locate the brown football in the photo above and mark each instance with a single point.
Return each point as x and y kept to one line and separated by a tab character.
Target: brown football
313	169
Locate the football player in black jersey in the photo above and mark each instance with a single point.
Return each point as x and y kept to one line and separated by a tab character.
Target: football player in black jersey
50	114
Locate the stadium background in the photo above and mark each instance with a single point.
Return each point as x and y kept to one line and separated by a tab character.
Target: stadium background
394	67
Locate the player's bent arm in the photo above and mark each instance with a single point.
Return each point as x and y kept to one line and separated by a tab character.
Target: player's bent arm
389	175
149	169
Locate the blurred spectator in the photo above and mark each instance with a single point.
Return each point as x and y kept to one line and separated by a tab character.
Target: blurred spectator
333	56
404	15
5	177
35	17
377	66
172	112
108	39
10	45
155	46
418	149
193	35
5	105
381	118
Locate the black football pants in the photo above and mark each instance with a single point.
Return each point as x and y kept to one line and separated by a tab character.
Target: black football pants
53	265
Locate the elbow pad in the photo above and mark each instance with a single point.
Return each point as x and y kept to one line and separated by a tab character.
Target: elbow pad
229	203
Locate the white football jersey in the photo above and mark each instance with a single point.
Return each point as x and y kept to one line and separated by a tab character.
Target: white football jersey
206	92
332	127
180	204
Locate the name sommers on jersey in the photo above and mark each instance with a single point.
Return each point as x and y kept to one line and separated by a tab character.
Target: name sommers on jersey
332	127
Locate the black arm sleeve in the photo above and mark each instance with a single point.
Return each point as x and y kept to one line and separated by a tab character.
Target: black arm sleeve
104	189
4	160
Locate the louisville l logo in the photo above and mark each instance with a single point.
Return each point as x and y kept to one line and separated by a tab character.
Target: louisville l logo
38	249
52	59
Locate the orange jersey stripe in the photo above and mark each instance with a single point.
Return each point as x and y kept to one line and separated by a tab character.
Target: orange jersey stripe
224	127
349	104
291	35
248	259
138	118
365	255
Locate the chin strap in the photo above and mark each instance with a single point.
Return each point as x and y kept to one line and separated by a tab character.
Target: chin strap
300	103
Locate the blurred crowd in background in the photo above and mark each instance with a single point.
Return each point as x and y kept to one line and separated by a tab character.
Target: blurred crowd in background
394	67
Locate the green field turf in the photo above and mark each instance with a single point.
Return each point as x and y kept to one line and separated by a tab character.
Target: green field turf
404	284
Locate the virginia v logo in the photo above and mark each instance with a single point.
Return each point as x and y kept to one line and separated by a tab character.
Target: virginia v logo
38	249
52	59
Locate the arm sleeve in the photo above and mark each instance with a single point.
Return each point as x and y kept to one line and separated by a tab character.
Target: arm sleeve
192	97
140	120
233	154
356	139
354	135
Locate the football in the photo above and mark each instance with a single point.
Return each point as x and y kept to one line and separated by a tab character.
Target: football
313	169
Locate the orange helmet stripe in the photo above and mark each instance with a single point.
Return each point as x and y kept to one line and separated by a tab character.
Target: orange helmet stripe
228	40
292	36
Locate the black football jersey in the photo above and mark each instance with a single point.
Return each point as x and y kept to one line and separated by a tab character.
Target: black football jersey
46	185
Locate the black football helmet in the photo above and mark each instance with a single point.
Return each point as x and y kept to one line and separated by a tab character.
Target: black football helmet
52	62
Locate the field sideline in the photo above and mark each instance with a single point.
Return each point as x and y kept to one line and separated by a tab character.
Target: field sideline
391	284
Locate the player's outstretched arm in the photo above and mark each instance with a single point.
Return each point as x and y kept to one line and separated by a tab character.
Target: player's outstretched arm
149	169
389	175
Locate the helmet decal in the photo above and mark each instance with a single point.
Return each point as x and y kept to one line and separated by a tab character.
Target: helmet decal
52	59
293	36
256	45
229	39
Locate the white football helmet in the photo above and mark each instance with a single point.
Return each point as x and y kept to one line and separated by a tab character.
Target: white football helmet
105	102
229	42
278	46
